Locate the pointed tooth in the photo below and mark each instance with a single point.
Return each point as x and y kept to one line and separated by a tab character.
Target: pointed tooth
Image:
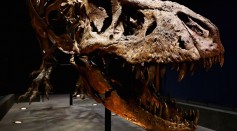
204	63
216	59
124	64
160	109
148	105
151	73
182	71
213	60
196	117
168	99
157	74
103	61
190	113
133	68
174	103
143	71
177	119
194	113
186	122
191	67
165	113
151	106
154	109
177	67
140	102
207	63
138	71
191	124
210	62
157	109
221	60
162	70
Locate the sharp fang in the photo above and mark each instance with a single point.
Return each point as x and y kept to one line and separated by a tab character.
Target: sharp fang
196	117
157	82
221	60
182	71
191	124
177	119
138	71
140	102
190	113
123	65
210	62
160	109
162	70
151	73
165	113
216	58
133	68
191	68
154	108
174	103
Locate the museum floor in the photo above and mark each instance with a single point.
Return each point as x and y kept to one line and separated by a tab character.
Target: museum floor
56	114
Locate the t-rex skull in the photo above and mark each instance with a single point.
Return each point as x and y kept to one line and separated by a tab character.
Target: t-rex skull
121	50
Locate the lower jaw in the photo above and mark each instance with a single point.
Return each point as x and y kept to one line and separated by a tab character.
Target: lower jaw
128	109
132	112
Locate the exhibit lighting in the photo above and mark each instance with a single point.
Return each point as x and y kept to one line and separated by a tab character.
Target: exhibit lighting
23	108
17	122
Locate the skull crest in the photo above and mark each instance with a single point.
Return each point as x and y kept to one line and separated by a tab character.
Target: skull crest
121	49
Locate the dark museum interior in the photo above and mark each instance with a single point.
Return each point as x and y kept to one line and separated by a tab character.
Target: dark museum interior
216	88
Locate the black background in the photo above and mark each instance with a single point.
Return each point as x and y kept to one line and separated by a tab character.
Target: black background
20	54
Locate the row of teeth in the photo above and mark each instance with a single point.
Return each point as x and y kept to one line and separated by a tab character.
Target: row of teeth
187	119
148	71
182	68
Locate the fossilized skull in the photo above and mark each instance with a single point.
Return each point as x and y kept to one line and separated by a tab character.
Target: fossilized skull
121	50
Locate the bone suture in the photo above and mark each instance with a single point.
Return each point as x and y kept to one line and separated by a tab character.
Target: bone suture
122	49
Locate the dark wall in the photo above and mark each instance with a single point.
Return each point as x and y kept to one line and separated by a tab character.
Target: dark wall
20	54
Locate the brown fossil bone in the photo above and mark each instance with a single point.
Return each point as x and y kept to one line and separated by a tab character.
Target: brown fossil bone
121	49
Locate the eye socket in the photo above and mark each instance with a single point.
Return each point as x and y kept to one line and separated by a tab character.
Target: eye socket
57	22
132	20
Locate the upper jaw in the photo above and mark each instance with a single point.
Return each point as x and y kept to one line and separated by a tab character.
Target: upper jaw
170	33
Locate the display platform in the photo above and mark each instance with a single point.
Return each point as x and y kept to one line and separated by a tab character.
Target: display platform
56	114
6	103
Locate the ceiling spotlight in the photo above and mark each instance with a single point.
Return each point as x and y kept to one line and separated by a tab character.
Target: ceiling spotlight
17	122
94	104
